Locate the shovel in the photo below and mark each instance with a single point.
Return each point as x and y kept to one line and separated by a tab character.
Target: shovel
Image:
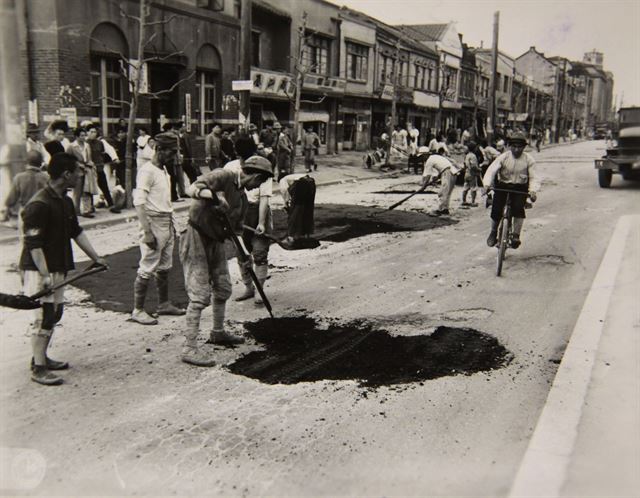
300	244
22	302
242	254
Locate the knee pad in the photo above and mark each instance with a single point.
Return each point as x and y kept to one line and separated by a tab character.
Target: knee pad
59	312
48	316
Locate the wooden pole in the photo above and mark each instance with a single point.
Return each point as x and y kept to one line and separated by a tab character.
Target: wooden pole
245	59
493	77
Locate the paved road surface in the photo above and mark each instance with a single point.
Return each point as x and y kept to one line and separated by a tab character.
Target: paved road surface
132	419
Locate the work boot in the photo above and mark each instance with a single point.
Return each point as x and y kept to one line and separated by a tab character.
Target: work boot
247	294
514	243
492	240
223	338
170	309
142	317
198	357
52	364
41	375
261	272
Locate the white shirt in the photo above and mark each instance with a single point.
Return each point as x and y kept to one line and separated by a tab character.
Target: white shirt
435	146
253	196
508	169
286	182
436	165
153	188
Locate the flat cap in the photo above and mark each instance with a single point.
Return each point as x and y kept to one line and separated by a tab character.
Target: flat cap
168	141
258	164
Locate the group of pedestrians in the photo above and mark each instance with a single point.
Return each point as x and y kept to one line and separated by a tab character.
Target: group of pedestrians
232	197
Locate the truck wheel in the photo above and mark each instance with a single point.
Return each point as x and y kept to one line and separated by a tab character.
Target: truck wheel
604	178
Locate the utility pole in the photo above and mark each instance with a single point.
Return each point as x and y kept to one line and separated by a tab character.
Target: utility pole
394	98
301	71
559	118
245	59
11	99
492	82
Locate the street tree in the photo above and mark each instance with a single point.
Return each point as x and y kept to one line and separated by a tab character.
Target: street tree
302	65
134	72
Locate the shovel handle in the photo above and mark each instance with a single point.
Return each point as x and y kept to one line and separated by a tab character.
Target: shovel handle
90	270
266	235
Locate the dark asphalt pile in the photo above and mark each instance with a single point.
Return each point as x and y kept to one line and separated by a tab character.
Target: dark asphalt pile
296	350
113	290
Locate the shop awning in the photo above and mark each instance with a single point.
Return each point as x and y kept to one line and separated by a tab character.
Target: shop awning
269	116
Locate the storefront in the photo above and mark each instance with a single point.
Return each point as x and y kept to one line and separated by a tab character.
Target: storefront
355	115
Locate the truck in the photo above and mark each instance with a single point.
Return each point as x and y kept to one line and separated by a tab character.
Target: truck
623	154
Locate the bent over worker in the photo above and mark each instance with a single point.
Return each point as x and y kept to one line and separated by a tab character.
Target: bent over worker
298	193
439	166
258	218
218	193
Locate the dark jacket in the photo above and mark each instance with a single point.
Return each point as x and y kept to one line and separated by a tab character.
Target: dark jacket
50	222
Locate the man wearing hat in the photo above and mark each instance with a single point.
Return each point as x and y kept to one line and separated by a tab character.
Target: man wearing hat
202	249
258	217
472	174
513	170
284	147
212	149
34	143
152	200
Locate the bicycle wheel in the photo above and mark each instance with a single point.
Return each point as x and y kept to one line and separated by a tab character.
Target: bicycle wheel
503	240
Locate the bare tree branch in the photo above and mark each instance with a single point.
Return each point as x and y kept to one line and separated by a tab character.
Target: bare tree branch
164	21
148	42
155	95
157	58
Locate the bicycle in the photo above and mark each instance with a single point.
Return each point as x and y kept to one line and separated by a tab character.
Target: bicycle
505	227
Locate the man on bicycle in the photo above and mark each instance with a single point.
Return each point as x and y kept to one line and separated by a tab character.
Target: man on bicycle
512	171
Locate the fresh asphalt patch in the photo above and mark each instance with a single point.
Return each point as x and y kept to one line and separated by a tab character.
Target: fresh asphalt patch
113	290
300	349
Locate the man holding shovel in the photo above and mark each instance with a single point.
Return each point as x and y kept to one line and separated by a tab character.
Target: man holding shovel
50	222
220	205
258	221
438	166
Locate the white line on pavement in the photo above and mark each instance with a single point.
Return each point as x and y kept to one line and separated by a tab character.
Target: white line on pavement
545	463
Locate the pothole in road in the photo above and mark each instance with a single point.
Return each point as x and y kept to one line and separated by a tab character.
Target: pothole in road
299	349
113	290
432	192
545	259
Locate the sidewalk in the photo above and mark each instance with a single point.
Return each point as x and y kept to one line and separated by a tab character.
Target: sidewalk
587	439
332	169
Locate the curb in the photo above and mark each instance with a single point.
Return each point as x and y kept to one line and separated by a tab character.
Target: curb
132	216
545	464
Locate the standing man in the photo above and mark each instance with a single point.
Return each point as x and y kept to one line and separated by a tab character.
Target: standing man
227	147
152	200
439	166
34	143
514	170
50	223
284	149
218	193
186	153
119	143
212	148
472	174
267	136
57	141
258	217
24	185
311	140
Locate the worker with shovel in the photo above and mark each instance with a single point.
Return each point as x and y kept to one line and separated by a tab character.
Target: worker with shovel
50	222
219	208
438	166
257	220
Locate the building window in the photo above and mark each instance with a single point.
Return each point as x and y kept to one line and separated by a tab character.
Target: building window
315	57
505	88
255	48
107	82
357	61
237	8
386	69
215	5
206	100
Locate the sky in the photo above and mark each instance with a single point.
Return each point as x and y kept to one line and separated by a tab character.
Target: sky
567	28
